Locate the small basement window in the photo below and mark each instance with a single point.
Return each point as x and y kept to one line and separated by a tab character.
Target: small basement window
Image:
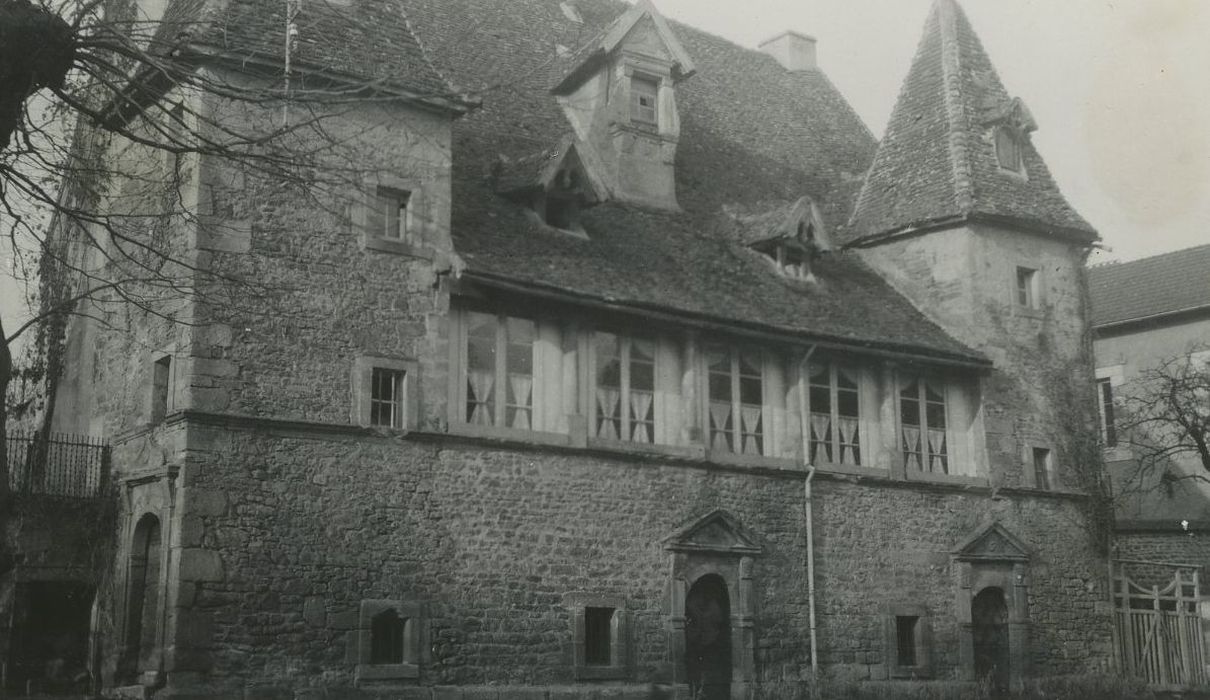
905	639
388	641
908	637
598	636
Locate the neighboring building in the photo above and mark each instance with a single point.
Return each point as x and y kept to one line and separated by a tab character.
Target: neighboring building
1146	312
654	373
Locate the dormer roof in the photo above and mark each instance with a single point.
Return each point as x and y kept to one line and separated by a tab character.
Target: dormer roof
592	54
937	162
539	171
791	221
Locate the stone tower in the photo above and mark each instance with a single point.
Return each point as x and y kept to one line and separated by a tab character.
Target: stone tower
961	214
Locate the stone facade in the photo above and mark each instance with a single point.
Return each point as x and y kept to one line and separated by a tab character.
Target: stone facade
265	529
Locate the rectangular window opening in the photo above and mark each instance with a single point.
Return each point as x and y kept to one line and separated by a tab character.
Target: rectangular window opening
643	94
736	400
499	370
161	388
905	636
1026	287
1042	467
598	636
1108	430
389	215
835	420
923	426
386	397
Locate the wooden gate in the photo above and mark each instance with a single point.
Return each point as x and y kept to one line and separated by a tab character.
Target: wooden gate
1158	629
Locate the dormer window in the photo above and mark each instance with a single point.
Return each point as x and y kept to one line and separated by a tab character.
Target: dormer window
644	93
792	262
1008	150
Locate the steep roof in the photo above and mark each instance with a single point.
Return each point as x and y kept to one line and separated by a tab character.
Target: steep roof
751	132
1162	284
937	160
369	41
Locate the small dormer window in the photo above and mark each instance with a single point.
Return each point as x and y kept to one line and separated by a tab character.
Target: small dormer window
643	95
1008	150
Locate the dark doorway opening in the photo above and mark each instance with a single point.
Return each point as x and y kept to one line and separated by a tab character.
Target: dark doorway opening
989	618
49	649
143	602
708	639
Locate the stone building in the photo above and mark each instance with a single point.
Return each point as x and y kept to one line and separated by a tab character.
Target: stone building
652	372
1146	312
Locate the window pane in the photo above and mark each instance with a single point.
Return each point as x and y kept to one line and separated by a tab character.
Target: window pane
519	365
936	415
609	386
821	400
385	389
847	403
909	406
642	365
750	391
481	379
643	95
520	346
719	362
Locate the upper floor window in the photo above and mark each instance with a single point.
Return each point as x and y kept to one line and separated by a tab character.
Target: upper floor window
1042	467
161	388
835	417
922	426
1109	431
644	93
1008	150
389	215
1027	287
499	370
736	400
386	397
624	401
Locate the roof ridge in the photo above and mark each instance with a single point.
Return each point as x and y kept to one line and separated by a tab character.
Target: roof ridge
951	59
1180	251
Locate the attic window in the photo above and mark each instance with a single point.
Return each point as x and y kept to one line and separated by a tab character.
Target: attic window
791	260
643	95
1008	150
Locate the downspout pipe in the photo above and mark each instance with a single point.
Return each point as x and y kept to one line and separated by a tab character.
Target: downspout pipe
808	507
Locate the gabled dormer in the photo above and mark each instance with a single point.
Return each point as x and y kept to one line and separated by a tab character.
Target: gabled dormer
619	93
791	236
554	184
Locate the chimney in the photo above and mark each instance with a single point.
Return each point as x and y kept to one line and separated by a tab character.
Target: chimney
792	50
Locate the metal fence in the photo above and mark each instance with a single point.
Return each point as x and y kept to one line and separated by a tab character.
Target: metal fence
57	464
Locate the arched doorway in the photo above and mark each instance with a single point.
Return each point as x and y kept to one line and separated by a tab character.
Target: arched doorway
143	601
989	633
708	638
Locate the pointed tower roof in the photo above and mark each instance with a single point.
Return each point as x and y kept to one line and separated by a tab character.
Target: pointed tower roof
938	164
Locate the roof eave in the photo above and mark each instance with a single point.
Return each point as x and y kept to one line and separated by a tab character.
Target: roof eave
1075	235
1150	318
909	353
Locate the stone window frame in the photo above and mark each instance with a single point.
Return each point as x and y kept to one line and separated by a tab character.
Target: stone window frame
577	604
1029	466
419	212
409	399
161	395
923	640
414	621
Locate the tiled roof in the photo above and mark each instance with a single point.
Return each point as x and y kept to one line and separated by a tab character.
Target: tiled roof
937	160
367	40
750	132
1163	284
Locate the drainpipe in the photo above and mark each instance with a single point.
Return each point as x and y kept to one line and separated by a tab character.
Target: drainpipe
808	511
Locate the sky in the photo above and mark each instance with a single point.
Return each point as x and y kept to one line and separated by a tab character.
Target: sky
1117	88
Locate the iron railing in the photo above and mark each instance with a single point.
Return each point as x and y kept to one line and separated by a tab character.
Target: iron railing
57	464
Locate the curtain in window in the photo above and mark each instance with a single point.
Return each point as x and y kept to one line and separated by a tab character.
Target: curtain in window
911	447
608	404
479	396
519	405
937	452
720	425
640	407
751	429
849	441
821	436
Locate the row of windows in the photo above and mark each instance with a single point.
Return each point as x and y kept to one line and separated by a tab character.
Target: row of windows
519	374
